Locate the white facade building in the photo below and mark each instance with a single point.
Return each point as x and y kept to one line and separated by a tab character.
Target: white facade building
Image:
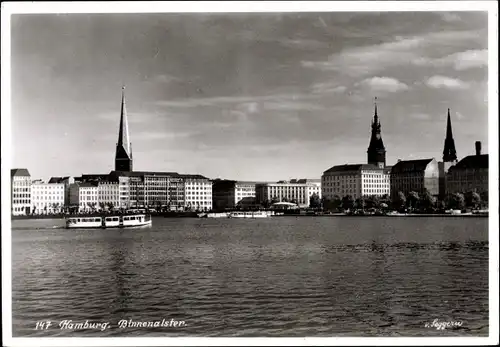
47	198
108	194
356	180
298	191
197	192
20	192
84	196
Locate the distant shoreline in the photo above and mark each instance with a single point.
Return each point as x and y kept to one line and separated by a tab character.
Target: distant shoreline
183	215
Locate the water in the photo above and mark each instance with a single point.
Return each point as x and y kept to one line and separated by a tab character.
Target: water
283	276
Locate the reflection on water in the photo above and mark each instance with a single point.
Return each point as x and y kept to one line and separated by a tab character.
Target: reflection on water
274	277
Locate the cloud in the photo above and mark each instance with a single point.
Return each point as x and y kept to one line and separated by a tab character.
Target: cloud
450	17
327	88
446	82
164	78
460	60
364	60
384	84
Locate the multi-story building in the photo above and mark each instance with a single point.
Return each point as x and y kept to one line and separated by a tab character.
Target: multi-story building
198	192
296	191
108	194
356	180
469	175
415	175
47	198
84	196
20	192
66	181
227	194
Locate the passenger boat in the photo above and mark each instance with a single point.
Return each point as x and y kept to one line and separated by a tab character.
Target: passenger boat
249	214
134	220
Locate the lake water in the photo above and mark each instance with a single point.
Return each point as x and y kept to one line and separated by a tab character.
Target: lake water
282	276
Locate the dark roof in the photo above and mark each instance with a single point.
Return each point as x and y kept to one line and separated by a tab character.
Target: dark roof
144	173
87	184
411	165
352	167
195	176
19	172
472	162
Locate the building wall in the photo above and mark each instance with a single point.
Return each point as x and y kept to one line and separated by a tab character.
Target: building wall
21	195
198	194
242	190
281	191
47	197
108	193
341	183
467	180
416	181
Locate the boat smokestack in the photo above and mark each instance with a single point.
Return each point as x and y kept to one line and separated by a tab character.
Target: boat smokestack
478	147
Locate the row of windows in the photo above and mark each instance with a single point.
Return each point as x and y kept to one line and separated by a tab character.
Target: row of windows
16	189
20	201
61	197
21	195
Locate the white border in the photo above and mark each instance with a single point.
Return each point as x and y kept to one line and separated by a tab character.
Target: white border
250	6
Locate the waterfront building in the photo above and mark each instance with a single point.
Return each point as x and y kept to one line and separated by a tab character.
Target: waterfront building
449	157
123	156
66	181
470	174
415	175
356	180
47	198
108	194
198	192
227	194
295	191
376	150
20	192
84	196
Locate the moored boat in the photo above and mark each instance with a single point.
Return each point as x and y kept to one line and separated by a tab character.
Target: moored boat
113	221
249	214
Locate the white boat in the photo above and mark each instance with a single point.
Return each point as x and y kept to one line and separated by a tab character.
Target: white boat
248	214
135	220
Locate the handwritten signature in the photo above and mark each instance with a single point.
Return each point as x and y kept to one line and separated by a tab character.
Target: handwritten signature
443	325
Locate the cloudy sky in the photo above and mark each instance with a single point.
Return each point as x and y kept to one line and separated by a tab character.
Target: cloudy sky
244	96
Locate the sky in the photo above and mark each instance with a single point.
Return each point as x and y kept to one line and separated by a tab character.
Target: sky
263	96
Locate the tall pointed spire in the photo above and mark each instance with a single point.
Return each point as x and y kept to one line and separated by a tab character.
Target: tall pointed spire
449	152
123	158
376	149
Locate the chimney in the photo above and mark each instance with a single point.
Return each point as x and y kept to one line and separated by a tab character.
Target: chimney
478	147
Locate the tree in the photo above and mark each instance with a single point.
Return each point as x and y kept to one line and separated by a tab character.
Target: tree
285	199
336	202
413	200
274	200
347	202
266	203
102	205
476	200
360	203
427	201
314	201
458	201
400	200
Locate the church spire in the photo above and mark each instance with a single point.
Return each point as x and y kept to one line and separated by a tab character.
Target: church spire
449	152
376	149
123	157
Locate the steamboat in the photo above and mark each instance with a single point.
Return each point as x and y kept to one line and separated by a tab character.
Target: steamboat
112	221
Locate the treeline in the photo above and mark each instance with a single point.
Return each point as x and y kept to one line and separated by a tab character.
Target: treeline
413	201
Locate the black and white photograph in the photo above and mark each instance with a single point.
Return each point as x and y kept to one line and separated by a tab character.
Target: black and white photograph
308	172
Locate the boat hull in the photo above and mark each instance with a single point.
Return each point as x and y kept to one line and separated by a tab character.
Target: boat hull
128	221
